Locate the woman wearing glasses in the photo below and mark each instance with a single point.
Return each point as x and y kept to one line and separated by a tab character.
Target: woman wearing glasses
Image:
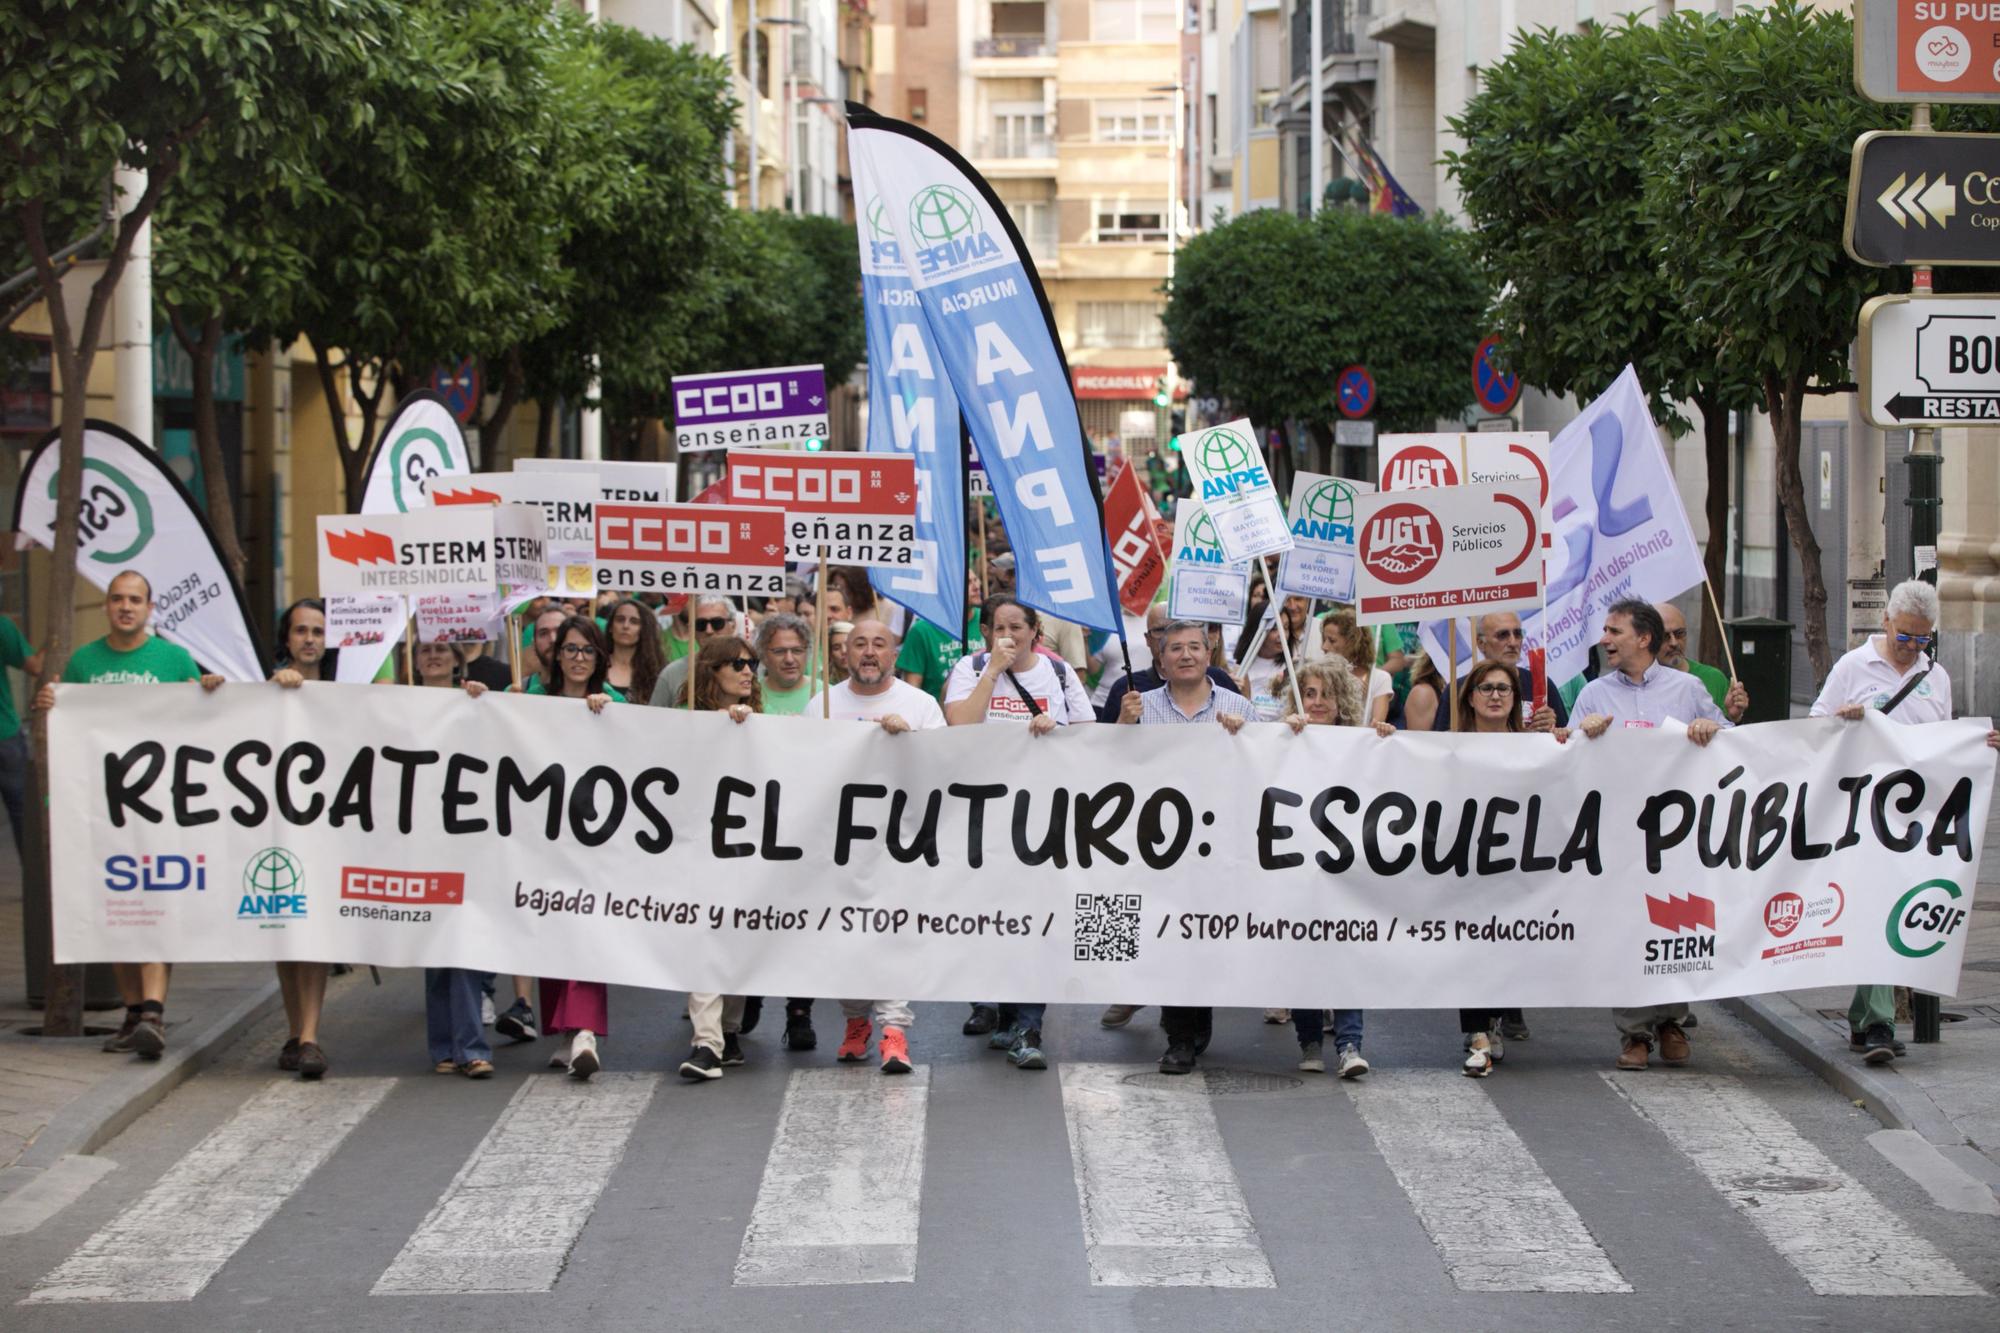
578	1011
725	681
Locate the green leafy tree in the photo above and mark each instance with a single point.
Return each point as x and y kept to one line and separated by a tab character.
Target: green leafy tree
1266	310
85	88
1553	179
1745	179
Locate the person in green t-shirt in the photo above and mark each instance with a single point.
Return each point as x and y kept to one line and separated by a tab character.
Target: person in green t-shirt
928	653
781	647
14	652
128	655
1729	695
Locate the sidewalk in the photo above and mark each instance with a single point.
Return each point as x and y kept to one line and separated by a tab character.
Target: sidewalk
1948	1093
63	1099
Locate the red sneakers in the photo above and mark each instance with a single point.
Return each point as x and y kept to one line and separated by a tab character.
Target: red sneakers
854	1046
895	1051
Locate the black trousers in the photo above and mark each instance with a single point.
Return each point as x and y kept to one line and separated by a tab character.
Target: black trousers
1187	1023
1478	1020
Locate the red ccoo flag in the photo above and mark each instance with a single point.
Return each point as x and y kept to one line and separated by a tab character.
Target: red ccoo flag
1678	914
366	545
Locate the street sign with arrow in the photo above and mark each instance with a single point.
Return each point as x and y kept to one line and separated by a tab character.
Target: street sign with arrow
1919	198
1929	360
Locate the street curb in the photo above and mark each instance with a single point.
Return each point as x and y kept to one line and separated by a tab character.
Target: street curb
117	1100
1885	1094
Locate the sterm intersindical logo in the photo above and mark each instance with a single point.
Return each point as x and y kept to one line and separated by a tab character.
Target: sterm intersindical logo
116	521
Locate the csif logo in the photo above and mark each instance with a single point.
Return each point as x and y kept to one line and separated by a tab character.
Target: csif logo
116	521
155	874
417	455
274	888
1924	919
948	231
1400	543
1327	514
364	547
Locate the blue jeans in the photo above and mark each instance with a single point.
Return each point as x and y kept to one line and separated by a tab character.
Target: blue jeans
1310	1026
1027	1017
451	1015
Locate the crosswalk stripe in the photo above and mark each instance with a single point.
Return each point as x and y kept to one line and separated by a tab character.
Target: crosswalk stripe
530	1185
1161	1203
1826	1224
843	1182
1498	1221
179	1234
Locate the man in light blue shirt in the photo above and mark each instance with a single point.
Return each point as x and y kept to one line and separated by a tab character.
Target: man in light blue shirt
1639	692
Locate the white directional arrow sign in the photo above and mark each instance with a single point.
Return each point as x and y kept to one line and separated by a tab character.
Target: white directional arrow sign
1918	203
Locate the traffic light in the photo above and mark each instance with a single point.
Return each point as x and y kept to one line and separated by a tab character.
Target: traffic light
1177	422
1160	395
814	444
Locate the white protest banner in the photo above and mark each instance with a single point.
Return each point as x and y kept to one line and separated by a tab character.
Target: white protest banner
461	618
365	622
629	483
1619	530
137	515
1204	584
1137	865
1236	489
569	525
1457	548
426	551
729	549
739	409
1321	561
861	508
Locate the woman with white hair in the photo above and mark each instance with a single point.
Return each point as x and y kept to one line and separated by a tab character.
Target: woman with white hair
1894	672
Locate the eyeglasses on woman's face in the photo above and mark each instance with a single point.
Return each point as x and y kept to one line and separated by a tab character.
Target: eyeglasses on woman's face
576	652
742	663
1492	687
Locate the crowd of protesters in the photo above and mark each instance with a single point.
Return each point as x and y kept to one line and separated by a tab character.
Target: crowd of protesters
1297	665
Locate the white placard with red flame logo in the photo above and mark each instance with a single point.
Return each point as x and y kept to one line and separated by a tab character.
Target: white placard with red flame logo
425	552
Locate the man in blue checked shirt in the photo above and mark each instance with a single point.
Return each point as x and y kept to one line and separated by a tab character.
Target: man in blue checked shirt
1638	691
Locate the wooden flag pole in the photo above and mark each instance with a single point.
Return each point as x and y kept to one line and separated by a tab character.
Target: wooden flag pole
514	646
820	632
1728	656
985	582
694	648
1284	639
1451	669
410	648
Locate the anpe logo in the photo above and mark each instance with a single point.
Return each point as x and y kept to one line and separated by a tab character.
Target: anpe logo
1203	547
878	220
364	547
1694	952
1327	513
940	213
1224	451
1925	918
116	521
1400	544
403	886
273	888
164	873
1783	914
418	454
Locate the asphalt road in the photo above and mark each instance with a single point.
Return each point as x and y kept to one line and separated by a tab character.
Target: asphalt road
795	1193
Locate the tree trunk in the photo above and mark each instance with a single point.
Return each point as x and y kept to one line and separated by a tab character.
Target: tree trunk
1715	559
353	453
545	427
1322	448
495	425
202	349
73	349
1782	401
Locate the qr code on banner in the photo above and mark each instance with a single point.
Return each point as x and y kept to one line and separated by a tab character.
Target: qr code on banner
1107	927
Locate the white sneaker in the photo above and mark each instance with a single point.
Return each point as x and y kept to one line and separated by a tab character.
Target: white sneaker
583	1060
1496	1044
1479	1056
560	1060
486	1014
1351	1063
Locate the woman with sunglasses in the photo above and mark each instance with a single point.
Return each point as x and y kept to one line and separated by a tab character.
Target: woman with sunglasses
725	681
453	995
637	657
580	1009
1332	696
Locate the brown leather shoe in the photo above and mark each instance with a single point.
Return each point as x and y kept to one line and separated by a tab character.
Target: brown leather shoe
1634	1054
1674	1048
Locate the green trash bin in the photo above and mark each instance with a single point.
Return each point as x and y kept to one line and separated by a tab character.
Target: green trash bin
1763	649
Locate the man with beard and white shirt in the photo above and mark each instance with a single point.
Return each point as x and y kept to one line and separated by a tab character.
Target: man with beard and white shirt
872	693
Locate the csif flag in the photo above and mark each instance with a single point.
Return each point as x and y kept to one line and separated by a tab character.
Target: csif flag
991	327
137	515
912	410
420	443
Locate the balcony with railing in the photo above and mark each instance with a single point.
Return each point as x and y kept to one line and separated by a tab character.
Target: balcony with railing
1024	46
1014	148
1011	36
1343	39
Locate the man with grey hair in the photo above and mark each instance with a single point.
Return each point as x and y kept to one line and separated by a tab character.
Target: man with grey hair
1894	672
1498	635
781	647
713	617
1728	693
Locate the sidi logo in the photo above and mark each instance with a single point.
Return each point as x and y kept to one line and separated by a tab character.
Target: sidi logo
155	874
1400	543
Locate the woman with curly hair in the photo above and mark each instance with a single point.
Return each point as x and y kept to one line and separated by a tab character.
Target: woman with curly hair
637	654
